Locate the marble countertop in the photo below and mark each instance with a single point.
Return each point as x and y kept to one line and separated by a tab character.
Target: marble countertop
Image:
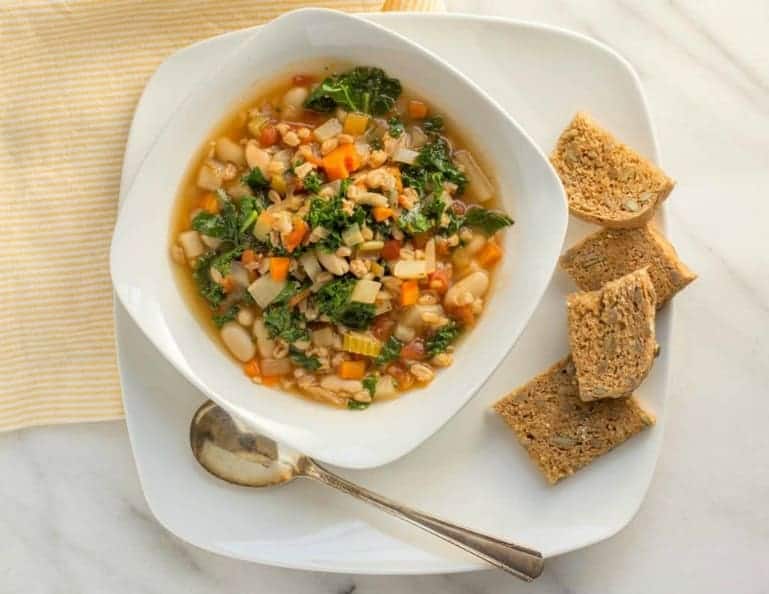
74	519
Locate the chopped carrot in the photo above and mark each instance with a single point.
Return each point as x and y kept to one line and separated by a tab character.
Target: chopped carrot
381	213
352	369
248	257
279	268
490	254
391	249
251	368
442	247
270	380
464	315
439	281
295	237
342	161
417	109
414	350
382	327
209	203
228	284
299	297
409	292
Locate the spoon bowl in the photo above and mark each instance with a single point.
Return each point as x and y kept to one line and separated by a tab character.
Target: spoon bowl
231	451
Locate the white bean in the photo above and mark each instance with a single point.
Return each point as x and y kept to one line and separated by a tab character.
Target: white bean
245	317
333	263
209	177
476	284
263	341
293	101
256	157
238	341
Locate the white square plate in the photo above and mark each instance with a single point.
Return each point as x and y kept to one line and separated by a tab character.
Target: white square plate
472	471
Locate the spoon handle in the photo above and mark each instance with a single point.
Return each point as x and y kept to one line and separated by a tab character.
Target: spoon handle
520	561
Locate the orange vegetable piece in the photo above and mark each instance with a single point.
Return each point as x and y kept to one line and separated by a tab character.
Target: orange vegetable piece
352	369
342	161
279	268
381	213
391	249
409	292
228	284
490	254
439	281
464	315
417	109
209	203
270	380
414	350
293	239
251	368
248	257
396	173
268	136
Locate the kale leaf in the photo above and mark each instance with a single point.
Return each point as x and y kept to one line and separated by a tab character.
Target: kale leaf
435	157
363	89
391	350
333	300
369	383
312	182
255	180
414	221
310	362
285	322
440	341
433	124
207	288
328	213
488	221
395	127
355	405
221	319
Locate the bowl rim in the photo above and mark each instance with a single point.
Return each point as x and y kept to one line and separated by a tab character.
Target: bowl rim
407	443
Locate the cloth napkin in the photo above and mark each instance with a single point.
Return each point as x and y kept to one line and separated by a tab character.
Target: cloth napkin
71	72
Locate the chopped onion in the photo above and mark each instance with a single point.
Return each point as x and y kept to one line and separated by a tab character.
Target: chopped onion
363	149
365	291
328	129
191	244
418	137
352	235
310	264
385	387
239	274
430	255
323	337
404	155
229	150
478	185
209	176
265	289
410	269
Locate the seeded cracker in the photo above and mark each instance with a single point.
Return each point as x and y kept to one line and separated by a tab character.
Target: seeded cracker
607	182
560	432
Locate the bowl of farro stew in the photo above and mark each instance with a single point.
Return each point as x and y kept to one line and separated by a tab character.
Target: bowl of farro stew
338	237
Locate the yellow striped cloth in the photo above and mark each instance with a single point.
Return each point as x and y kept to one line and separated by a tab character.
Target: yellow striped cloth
71	72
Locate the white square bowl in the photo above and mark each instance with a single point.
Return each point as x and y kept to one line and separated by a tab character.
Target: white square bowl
142	270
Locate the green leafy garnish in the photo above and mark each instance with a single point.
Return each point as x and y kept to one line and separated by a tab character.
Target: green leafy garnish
370	384
433	124
312	182
355	405
221	319
333	300
207	288
376	144
363	89
391	350
432	167
328	213
395	127
255	180
286	323
440	341
488	221
223	260
302	359
292	288
414	221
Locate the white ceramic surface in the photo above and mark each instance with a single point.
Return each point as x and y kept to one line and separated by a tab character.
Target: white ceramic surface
146	286
472	471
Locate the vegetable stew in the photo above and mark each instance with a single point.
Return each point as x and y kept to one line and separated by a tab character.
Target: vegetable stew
339	237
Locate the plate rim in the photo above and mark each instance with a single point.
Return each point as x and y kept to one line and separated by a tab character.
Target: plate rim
445	567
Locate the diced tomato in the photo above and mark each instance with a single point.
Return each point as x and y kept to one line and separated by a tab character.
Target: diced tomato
442	247
268	135
391	249
382	327
248	257
414	350
458	207
439	281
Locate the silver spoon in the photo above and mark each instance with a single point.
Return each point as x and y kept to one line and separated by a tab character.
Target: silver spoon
229	450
